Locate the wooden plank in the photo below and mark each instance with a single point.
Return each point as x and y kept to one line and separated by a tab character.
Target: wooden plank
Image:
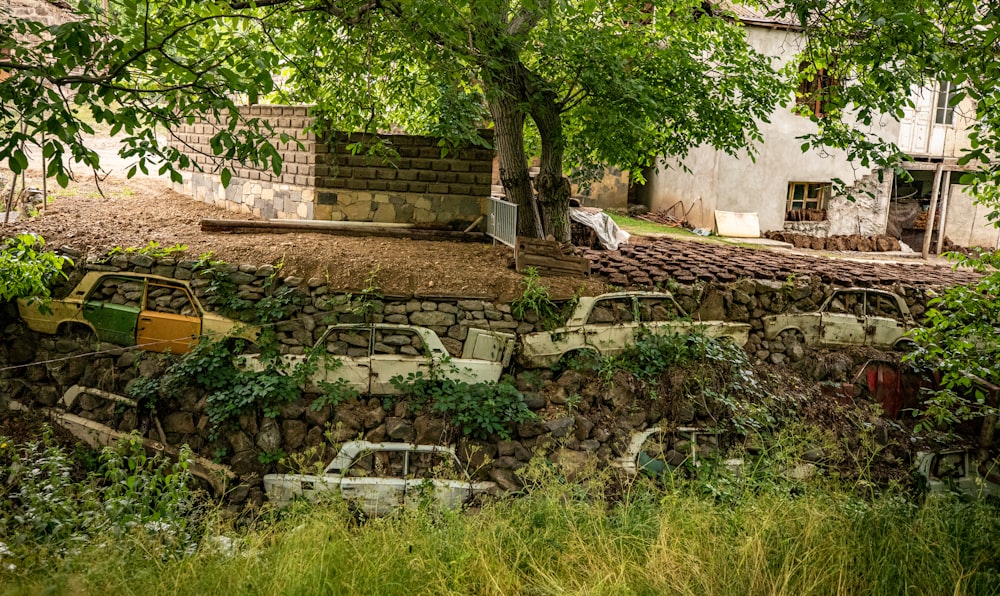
336	228
547	257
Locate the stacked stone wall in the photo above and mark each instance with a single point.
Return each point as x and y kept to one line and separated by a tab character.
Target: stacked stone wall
580	422
325	178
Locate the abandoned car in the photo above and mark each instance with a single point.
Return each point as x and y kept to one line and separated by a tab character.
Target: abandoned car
959	471
150	312
378	478
368	356
849	317
658	451
607	324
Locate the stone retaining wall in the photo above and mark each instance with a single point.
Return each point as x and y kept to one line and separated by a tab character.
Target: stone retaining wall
579	420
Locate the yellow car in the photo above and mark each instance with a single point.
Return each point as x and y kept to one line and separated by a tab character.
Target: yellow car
150	312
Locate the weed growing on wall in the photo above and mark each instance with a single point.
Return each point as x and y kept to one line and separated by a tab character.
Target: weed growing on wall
536	299
717	372
152	249
478	410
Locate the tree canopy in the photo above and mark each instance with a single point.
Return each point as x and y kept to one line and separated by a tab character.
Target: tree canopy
579	84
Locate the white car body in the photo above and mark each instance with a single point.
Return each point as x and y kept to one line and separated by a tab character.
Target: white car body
849	317
957	471
402	481
607	324
368	356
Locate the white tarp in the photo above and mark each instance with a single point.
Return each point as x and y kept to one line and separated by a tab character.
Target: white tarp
608	232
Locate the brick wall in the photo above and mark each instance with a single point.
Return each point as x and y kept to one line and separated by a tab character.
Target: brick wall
49	13
325	181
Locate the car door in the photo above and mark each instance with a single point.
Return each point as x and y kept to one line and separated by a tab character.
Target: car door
169	321
375	481
612	323
436	477
344	353
112	307
843	322
885	323
398	351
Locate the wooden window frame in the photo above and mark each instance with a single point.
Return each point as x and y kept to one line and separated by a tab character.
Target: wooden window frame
944	112
814	196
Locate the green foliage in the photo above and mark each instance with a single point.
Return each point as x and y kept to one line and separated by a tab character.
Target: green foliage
26	269
718	372
143	67
48	501
366	302
536	299
561	537
223	293
152	249
479	410
959	339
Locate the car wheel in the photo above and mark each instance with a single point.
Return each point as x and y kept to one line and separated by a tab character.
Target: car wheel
581	360
81	334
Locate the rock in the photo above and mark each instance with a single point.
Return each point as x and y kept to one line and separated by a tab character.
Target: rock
432	318
712	308
376	435
505	479
507	462
348	419
505	447
429	431
571	381
400	430
590	445
294	432
151	367
22	351
239	441
374	416
318	417
583	428
291	411
245	463
560	427
532	428
179	422
64	345
533	400
572	463
269	437
777	359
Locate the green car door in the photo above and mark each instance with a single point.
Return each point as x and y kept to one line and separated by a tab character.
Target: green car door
113	307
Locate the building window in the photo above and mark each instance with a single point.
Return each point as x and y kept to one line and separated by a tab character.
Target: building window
807	201
945	112
813	95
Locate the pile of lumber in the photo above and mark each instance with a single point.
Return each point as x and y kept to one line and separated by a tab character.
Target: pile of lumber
549	257
663	218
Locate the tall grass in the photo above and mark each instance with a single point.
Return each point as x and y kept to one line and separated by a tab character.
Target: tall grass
568	539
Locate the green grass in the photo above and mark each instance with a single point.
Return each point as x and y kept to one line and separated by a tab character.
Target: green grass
567	539
639	226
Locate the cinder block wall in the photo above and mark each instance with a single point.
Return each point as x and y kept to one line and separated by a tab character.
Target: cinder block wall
322	179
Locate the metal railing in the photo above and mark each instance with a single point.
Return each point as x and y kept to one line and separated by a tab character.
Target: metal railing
501	221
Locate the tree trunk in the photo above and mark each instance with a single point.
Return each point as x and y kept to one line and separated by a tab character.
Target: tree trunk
553	187
509	139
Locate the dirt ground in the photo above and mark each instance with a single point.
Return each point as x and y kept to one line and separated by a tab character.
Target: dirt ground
134	212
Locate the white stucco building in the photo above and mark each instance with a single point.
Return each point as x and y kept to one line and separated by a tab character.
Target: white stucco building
790	190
